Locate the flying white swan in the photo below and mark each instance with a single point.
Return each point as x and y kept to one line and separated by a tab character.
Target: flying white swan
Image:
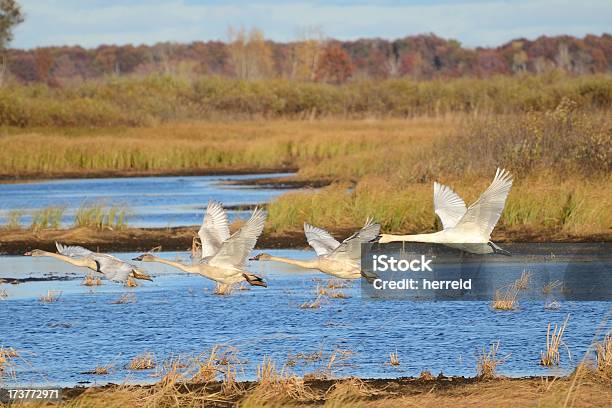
342	260
213	232
112	268
226	265
470	228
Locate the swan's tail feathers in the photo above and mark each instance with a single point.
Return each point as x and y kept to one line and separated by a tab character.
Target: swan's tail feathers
498	250
255	280
140	274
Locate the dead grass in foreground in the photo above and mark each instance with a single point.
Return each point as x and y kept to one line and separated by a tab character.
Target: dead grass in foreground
354	392
488	361
51	296
145	361
91	280
554	340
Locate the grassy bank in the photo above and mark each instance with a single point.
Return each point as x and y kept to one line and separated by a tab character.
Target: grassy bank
210	380
560	158
133	101
204	146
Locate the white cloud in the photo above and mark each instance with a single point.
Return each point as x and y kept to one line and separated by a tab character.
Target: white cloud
484	22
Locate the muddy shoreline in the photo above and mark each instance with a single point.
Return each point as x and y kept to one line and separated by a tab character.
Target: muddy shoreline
16	242
404	391
41	176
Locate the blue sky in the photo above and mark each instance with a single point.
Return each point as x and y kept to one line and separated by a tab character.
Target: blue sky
473	22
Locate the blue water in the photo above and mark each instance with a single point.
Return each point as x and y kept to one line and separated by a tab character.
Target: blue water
151	201
177	314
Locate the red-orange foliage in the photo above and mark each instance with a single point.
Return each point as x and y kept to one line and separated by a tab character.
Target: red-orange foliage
335	65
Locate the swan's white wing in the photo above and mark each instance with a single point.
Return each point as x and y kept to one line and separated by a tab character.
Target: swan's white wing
236	249
320	240
214	230
72	251
448	205
482	216
350	249
114	269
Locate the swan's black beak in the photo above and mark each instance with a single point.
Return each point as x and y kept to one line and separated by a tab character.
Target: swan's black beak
138	258
255	258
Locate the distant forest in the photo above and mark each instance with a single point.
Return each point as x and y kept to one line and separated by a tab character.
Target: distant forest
248	55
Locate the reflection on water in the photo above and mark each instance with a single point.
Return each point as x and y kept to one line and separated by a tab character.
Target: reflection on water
152	201
177	314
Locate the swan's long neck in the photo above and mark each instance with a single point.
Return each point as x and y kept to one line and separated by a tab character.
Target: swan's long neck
310	264
178	265
433	237
73	261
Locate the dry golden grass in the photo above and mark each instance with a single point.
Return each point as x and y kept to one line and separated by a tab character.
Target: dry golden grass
277	386
382	168
101	369
553	341
145	361
3	294
313	304
91	280
131	283
550	286
349	391
51	296
394	359
7	354
426	376
337	294
603	353
523	282
488	361
506	299
337	284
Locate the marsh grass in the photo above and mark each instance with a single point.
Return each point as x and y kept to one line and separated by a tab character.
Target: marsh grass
3	294
523	282
603	354
394	359
145	361
91	280
506	299
488	361
7	355
554	339
426	376
131	283
100	216
13	219
550	286
337	294
349	391
278	386
101	369
45	218
337	284
51	296
313	304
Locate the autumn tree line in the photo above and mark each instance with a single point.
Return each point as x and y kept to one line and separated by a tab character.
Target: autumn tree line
249	55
